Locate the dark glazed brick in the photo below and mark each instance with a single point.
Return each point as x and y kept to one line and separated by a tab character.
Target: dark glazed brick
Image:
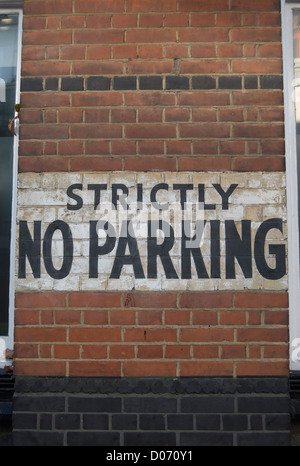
93	439
230	82
263	404
256	422
235	422
94	404
207	404
46	421
124	422
180	422
150	82
250	82
124	83
150	404
31	84
278	422
24	421
152	422
72	84
67	421
263	439
38	439
206	439
177	82
271	82
95	421
208	422
98	83
149	439
203	82
51	84
39	403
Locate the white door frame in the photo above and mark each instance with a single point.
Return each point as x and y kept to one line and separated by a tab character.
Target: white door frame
7	342
291	182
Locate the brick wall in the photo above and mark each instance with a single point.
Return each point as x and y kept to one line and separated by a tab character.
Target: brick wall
136	86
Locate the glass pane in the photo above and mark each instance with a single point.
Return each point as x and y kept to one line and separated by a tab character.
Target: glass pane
8	69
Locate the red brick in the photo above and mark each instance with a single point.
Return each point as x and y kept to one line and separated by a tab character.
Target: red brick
96	131
206	334
176	51
96	68
28	164
96	163
176	20
150	163
40	334
94	369
202	19
151	5
254	5
204	130
98	21
149	66
101	6
66	352
195	5
150	51
149	368
98	37
153	300
229	19
257	131
98	52
214	368
33	53
199	67
177	317
207	300
44	132
269	66
94	352
123	317
47	38
177	114
124	21
233	352
139	131
150	317
203	35
48	7
204	147
206	351
268	368
204	98
203	51
179	147
39	368
121	352
260	98
150	352
96	300
95	317
150	115
105	98
122	115
124	51
70	115
204	163
33	148
205	317
45	68
40	300
42	100
151	20
72	22
230	50
151	147
123	147
261	300
94	334
275	163
154	36
150	334
98	148
67	317
178	352
143	99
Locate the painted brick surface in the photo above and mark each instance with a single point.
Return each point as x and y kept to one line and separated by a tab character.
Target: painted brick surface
151	231
139	90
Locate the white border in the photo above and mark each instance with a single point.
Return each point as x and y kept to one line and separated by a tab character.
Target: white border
9	340
291	177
